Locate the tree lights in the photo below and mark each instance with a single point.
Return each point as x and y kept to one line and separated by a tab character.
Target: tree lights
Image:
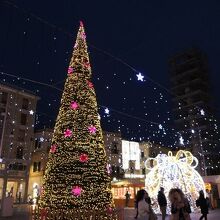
171	171
76	177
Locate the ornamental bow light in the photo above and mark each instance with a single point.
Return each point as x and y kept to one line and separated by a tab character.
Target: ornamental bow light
169	171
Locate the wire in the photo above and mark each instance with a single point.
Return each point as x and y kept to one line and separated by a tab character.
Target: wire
30	80
91	45
60	90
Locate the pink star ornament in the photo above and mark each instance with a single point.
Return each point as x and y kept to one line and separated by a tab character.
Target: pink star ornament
74	105
68	133
70	70
76	190
53	148
83	158
90	84
92	129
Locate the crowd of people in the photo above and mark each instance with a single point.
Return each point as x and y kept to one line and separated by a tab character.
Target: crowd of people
180	206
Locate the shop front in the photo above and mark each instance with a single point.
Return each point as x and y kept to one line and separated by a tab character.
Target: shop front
16	189
212	185
126	187
1	190
34	187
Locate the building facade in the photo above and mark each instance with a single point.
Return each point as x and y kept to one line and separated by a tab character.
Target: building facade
194	115
17	118
113	148
42	144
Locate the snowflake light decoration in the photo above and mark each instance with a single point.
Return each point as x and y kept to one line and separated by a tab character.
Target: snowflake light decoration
169	171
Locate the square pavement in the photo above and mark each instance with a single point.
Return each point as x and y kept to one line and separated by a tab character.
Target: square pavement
21	212
129	214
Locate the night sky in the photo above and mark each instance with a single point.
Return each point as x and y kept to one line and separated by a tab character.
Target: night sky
124	38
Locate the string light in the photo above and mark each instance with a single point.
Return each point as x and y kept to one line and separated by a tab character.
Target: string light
76	176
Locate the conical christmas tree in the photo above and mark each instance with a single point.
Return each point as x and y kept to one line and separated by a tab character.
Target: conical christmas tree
76	176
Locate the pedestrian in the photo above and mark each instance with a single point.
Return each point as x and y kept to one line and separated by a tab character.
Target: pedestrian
180	207
203	204
208	198
143	210
152	215
162	201
127	198
136	207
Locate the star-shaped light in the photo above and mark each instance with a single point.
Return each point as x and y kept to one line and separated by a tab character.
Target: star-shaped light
31	112
160	126
181	140
140	77
108	167
76	190
90	84
202	112
92	129
107	111
70	70
41	139
68	133
74	105
83	158
53	148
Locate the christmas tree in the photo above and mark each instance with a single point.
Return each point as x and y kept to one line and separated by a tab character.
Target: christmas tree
76	177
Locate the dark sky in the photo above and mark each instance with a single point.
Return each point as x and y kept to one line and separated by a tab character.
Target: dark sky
37	37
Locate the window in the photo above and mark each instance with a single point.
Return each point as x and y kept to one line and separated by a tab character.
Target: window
21	135
143	171
113	168
142	154
25	103
39	166
19	153
36	166
17	166
2	166
132	170
4	97
23	119
118	169
114	149
2	110
37	144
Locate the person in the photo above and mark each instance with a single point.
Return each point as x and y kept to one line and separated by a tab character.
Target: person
203	204
152	215
162	201
127	198
142	206
208	198
136	207
180	207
